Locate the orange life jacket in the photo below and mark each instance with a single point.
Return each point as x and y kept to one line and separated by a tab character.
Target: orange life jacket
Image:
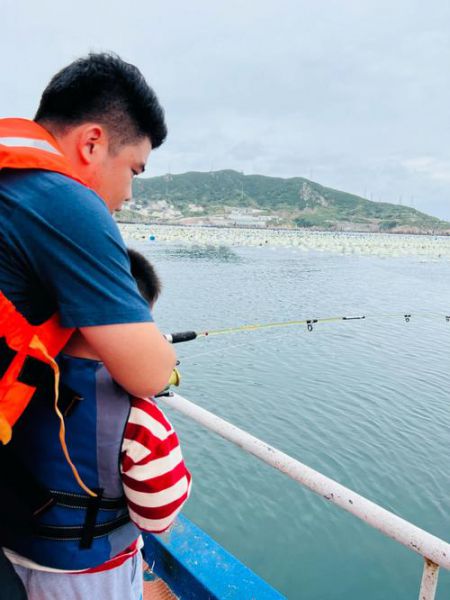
26	145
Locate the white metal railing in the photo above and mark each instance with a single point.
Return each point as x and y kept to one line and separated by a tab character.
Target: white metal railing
436	552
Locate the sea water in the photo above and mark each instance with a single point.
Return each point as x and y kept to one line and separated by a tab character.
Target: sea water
366	402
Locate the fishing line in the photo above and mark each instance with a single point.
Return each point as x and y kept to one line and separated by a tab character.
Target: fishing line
231	347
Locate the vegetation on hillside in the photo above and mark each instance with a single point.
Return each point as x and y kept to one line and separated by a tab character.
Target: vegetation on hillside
293	202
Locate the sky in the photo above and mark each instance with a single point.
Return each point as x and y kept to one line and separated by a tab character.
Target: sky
353	94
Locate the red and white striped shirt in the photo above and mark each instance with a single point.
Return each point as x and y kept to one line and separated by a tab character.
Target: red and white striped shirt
155	479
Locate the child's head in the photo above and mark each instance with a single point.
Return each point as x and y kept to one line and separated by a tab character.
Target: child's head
145	275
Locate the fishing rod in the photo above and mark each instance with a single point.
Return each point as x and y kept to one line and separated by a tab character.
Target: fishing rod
181	336
186	336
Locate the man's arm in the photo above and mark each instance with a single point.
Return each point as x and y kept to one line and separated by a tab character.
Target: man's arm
138	357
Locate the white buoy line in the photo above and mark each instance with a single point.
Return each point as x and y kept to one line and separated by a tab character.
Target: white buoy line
376	244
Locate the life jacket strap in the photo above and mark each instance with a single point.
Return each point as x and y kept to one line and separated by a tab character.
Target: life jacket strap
90	520
52	532
70	500
23	499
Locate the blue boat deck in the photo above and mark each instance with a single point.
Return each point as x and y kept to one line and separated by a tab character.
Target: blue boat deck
195	567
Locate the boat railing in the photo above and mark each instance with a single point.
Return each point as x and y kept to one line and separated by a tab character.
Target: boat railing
435	552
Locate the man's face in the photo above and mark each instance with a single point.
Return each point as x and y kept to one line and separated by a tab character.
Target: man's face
114	174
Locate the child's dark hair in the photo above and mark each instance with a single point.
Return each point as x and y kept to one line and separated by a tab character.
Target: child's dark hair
145	275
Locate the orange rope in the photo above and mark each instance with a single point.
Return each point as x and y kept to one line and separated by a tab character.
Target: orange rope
37	344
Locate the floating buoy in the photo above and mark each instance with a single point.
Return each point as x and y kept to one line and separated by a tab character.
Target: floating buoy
151	238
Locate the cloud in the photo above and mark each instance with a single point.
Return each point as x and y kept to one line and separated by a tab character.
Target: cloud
434	168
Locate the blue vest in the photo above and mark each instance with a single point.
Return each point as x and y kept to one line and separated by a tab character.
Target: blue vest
76	531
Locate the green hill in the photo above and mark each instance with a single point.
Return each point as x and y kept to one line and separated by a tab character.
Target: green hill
232	198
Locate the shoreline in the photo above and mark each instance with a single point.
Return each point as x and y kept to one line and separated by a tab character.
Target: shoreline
345	243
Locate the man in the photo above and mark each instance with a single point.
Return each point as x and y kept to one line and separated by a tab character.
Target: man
61	252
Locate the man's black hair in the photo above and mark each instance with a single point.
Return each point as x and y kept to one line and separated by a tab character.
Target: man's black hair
104	88
145	275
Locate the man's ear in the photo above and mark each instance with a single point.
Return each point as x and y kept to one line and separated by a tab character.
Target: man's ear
92	143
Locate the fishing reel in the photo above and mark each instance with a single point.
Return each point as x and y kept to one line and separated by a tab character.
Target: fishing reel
175	377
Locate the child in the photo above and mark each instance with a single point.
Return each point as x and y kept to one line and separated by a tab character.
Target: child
94	538
145	440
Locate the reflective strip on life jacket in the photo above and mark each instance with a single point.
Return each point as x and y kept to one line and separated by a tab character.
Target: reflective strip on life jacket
25	144
28	143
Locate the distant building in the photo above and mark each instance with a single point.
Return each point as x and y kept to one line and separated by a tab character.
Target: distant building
247	220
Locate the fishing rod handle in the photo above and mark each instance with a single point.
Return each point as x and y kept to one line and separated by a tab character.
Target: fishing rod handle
181	336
